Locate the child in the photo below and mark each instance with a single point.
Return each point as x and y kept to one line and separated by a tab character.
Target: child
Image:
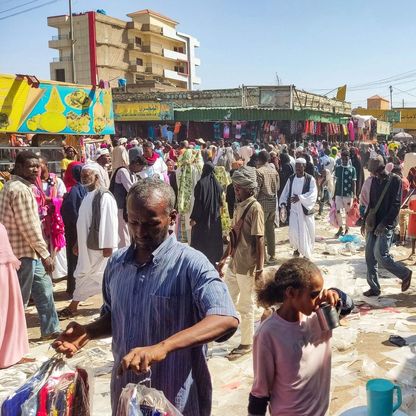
291	353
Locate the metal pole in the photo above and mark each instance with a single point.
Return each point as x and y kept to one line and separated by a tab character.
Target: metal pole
391	97
71	37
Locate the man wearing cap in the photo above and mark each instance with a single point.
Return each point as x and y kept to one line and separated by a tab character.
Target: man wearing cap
102	160
299	197
247	256
97	235
385	194
120	156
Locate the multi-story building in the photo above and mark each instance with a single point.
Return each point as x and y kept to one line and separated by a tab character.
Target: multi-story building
146	51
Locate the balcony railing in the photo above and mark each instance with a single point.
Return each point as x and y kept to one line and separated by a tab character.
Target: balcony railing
62	59
60	37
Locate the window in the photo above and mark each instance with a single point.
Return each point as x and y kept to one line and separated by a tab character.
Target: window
179	69
60	75
178	49
138	40
139	61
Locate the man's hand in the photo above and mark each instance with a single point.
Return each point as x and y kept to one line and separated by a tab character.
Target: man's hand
380	230
329	296
362	229
258	276
192	223
140	359
71	340
220	266
49	265
75	249
107	252
294	199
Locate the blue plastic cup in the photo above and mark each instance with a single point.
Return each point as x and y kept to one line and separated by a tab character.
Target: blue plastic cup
380	397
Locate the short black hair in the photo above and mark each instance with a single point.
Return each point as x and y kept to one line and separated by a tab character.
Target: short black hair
263	157
139	160
25	155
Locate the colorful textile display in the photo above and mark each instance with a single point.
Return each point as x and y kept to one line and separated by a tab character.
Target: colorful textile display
55	389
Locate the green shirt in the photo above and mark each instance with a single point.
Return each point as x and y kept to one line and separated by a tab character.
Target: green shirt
345	177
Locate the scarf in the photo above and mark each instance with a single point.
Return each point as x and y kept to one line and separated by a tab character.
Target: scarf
151	160
72	175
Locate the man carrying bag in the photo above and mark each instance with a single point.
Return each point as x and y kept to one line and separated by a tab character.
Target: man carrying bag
246	249
380	220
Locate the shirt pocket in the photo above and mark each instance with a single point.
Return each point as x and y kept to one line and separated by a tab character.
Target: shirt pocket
168	315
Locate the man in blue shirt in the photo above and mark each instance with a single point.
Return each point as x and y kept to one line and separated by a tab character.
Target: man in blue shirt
163	301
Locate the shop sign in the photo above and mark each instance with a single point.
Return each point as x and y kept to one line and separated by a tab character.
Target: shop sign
276	97
53	108
143	111
393	116
383	127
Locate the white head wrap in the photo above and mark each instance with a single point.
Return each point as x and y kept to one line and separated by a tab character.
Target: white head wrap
92	166
300	160
122	140
246	177
100	152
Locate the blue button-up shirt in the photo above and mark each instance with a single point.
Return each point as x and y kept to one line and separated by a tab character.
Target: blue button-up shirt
176	289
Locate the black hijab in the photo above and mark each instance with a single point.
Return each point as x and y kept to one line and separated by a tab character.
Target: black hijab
208	194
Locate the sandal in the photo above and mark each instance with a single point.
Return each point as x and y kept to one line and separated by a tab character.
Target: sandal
239	352
65	313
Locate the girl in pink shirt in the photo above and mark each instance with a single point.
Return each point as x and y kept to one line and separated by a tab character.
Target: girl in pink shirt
291	353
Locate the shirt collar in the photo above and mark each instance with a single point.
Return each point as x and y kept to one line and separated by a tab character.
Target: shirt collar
246	201
20	179
157	254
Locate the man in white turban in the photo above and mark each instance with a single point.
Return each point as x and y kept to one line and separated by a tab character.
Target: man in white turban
299	197
97	230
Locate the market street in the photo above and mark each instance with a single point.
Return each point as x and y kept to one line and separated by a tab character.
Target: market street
360	347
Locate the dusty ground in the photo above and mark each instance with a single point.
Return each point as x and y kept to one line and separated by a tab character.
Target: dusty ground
360	347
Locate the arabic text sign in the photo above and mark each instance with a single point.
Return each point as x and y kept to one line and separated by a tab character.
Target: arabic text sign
144	111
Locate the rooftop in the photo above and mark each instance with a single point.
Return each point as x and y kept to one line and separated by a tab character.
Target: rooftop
154	14
377	97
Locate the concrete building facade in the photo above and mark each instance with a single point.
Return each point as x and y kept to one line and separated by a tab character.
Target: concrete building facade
147	51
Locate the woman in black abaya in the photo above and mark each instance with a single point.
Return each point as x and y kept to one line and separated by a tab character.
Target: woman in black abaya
205	217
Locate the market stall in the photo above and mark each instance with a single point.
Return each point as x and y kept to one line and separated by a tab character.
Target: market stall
45	115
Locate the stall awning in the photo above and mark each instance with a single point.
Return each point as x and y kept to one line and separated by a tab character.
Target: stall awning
254	114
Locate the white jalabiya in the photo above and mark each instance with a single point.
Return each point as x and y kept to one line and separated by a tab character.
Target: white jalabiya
301	226
91	263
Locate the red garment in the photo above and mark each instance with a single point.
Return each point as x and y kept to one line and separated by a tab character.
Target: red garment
151	160
69	179
411	228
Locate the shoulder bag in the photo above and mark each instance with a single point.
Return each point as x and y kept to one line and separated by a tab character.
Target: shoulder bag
235	232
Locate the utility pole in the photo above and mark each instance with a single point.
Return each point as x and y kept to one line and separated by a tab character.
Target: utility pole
403	102
71	37
391	97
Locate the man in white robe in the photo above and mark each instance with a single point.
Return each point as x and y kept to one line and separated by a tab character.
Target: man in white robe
91	263
102	161
301	226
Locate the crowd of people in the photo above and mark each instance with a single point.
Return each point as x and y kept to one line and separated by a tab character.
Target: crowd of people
176	237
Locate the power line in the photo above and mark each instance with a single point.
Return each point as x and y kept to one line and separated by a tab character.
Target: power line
18	7
28	10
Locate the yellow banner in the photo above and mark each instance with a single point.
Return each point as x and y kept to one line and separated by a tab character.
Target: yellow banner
13	102
146	111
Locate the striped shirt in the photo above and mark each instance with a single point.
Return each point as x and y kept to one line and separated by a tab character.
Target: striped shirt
19	214
149	303
268	185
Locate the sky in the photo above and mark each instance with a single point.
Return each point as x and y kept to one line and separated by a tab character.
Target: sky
316	45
